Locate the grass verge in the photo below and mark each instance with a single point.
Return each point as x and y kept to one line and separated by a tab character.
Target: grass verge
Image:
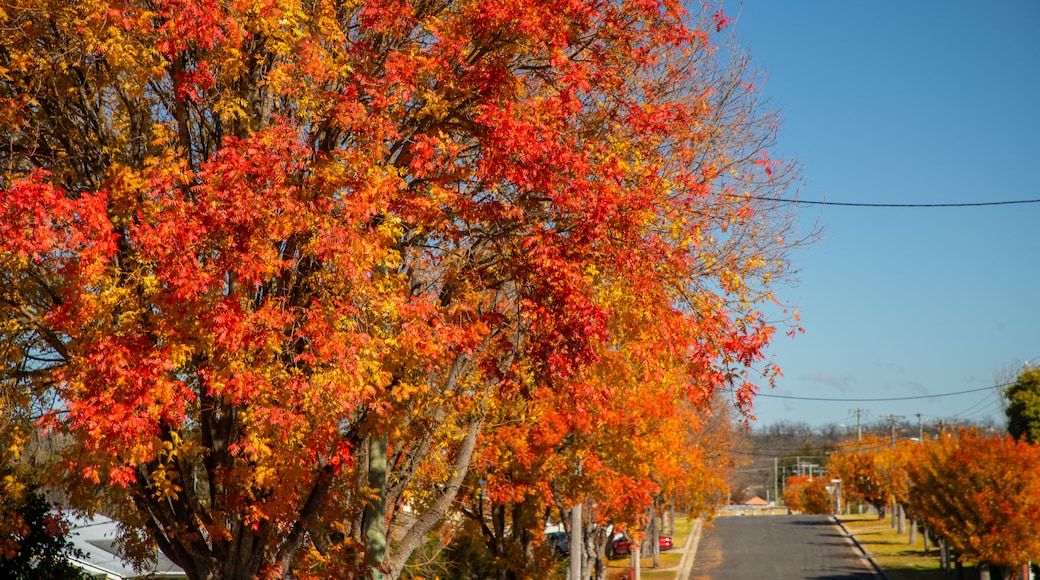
893	552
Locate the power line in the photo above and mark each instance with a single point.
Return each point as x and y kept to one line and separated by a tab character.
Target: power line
876	399
988	398
890	205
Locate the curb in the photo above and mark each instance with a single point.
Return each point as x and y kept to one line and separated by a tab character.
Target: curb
864	553
690	551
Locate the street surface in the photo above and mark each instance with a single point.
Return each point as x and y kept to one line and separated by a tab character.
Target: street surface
778	547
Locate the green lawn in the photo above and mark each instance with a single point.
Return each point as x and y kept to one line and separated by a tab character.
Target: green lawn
893	551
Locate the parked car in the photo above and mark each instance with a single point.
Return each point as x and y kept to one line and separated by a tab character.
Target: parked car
559	543
622	545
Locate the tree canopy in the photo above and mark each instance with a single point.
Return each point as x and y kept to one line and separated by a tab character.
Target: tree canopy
982	494
278	266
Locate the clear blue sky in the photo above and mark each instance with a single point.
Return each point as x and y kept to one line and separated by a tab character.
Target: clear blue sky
905	102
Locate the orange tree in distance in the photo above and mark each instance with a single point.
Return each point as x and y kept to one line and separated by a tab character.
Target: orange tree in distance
277	262
807	495
982	494
858	466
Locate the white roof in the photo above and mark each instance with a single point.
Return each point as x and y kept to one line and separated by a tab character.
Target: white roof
95	538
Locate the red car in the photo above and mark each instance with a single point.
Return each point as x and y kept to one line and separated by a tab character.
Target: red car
622	546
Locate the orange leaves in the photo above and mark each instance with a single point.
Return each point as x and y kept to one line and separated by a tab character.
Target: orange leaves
275	229
807	495
978	492
981	494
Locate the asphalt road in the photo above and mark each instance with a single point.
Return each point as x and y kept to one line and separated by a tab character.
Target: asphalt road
778	547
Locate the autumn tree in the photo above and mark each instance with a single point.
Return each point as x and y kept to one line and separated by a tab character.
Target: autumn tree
859	465
621	456
807	495
1023	408
982	494
279	262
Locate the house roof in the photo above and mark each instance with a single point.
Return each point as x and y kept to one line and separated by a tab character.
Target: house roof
96	538
756	501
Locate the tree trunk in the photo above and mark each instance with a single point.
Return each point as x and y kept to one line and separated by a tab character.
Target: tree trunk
655	538
600	541
902	518
983	571
576	538
913	532
671	518
637	574
417	532
596	541
927	539
375	512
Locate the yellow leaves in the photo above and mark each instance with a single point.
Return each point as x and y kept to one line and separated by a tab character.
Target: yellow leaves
231	109
436	106
163	482
392	228
591	271
305	322
280	23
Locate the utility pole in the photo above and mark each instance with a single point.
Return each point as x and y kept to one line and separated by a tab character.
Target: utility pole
776	484
920	428
859	429
892	426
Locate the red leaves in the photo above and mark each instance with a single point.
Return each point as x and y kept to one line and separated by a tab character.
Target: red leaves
721	20
41	222
518	209
243	204
202	24
766	163
192	84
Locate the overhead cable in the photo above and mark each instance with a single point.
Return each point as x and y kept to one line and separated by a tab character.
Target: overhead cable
878	399
895	205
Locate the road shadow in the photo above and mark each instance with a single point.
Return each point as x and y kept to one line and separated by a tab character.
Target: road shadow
849	576
806	520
